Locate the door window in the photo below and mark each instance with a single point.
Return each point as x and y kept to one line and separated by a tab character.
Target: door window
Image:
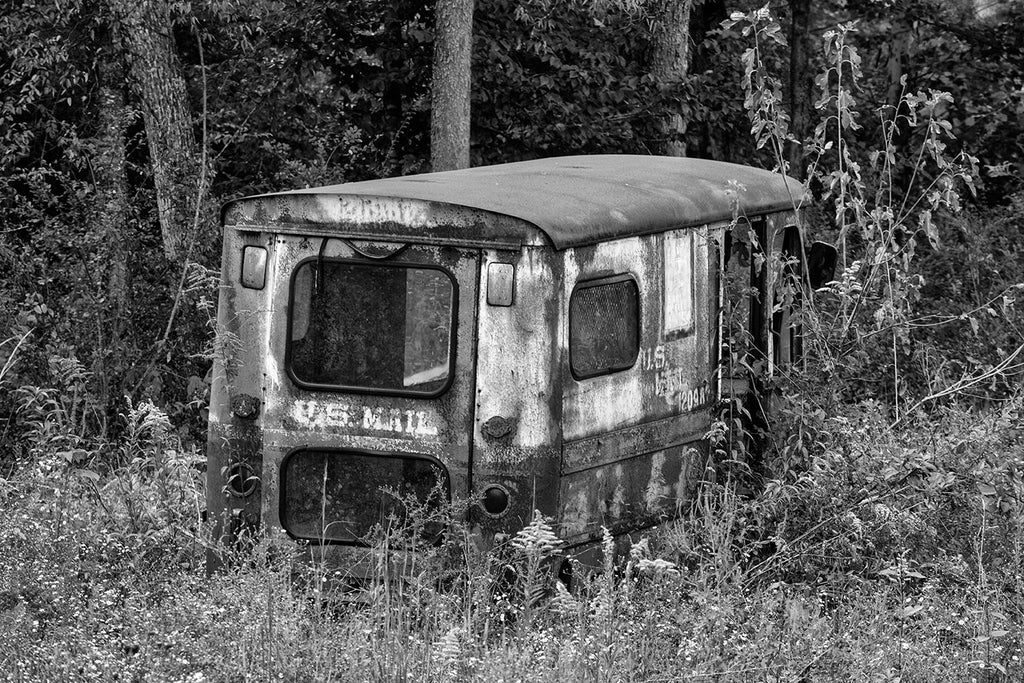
604	326
371	327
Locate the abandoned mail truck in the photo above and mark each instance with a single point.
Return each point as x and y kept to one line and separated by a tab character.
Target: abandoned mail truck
541	335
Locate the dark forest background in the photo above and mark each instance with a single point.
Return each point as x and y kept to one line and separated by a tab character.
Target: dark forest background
125	125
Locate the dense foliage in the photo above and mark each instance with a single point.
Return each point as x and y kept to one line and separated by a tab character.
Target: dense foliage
289	94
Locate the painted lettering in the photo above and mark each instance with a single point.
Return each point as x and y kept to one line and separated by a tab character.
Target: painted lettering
320	415
672	383
415	422
652	358
690	398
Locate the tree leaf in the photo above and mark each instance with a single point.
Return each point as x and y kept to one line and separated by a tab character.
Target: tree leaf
87	474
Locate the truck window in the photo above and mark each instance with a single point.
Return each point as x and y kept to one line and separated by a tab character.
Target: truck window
337	495
604	326
371	327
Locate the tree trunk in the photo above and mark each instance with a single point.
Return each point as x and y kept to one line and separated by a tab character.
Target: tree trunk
705	16
801	82
110	176
670	63
111	181
156	75
450	88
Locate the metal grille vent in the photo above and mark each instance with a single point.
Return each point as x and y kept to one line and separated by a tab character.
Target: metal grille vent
604	327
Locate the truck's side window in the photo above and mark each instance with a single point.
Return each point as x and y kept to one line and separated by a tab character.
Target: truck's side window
604	326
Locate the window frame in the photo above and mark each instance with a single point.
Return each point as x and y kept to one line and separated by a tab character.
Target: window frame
598	282
350	389
283	484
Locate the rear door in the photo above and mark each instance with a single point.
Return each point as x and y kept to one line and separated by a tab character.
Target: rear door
368	381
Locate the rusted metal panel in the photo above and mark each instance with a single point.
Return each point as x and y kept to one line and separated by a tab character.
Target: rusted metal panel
574	200
516	435
671	375
234	440
626	429
370	217
437	427
608	402
630	494
621	444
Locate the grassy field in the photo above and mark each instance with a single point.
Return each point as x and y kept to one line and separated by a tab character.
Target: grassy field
891	556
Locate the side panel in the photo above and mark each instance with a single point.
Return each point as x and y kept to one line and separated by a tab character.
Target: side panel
234	443
516	435
633	439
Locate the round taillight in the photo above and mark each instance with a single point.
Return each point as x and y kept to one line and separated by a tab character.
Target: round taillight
242	482
496	500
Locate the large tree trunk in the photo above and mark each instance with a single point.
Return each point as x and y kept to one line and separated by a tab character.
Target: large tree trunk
449	110
157	78
801	82
670	63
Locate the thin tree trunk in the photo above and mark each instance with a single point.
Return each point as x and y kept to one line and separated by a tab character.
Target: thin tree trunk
156	75
801	82
110	176
111	181
670	63
450	87
705	16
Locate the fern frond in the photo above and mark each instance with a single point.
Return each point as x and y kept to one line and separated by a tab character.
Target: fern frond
537	539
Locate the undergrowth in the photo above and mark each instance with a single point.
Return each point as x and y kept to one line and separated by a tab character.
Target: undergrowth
894	555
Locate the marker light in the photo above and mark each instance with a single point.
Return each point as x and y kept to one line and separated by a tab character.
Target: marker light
254	267
501	279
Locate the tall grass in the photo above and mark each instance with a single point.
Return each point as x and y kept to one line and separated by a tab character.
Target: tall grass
897	556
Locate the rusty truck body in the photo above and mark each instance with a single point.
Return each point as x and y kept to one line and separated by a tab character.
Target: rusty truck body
542	335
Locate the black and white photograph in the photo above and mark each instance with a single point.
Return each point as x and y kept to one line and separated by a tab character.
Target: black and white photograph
610	341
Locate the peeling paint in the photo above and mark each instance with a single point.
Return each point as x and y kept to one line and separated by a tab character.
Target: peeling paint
685	481
617	507
574	515
656	488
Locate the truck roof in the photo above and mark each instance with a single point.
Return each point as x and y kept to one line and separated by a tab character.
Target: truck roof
574	200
